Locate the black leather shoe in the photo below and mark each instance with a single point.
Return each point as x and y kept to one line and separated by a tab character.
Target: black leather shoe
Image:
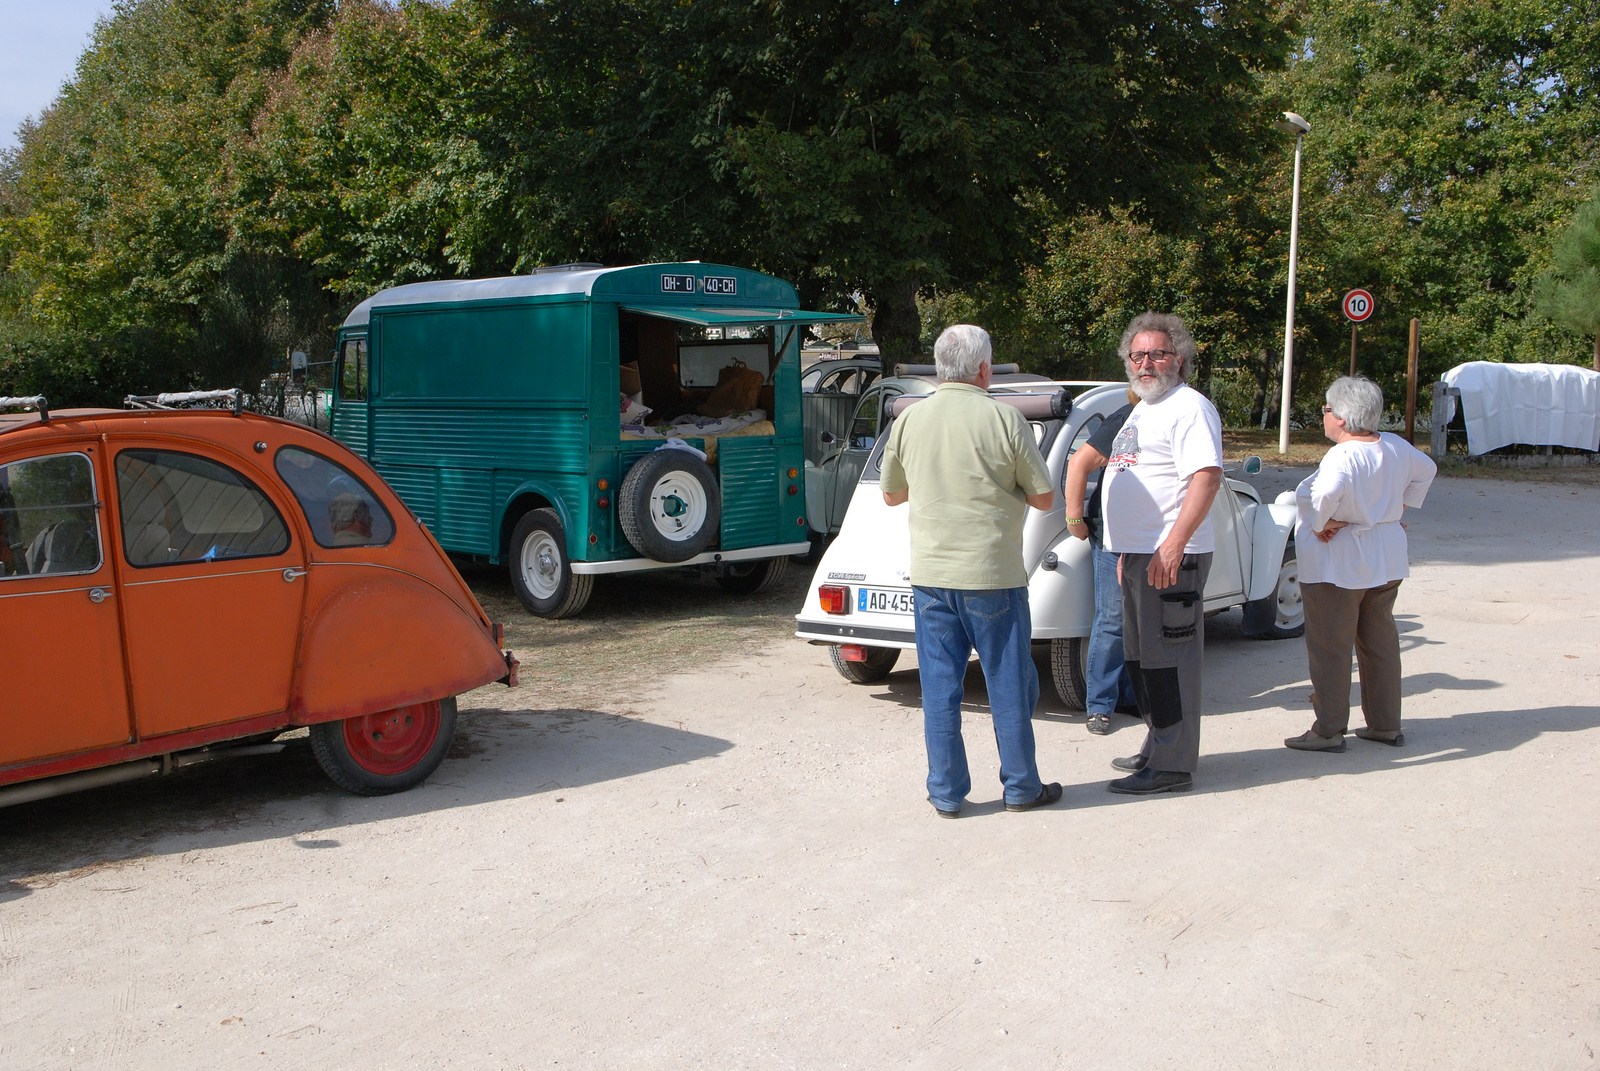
1047	795
1147	782
1133	763
942	813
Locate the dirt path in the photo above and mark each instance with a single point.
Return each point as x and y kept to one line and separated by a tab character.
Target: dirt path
714	853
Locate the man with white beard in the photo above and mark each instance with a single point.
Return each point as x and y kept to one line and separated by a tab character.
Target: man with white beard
1162	474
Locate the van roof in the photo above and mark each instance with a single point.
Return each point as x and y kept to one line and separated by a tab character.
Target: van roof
646	288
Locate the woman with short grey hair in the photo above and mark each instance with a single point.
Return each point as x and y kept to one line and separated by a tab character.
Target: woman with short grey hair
1358	403
1351	550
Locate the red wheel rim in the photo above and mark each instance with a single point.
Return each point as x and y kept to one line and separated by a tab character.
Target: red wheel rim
393	741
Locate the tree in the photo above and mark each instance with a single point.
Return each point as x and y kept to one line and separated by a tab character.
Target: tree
881	148
1448	140
1569	293
115	229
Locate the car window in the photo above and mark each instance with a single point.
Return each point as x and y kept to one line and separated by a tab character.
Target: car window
864	426
1085	430
353	370
48	520
179	507
342	510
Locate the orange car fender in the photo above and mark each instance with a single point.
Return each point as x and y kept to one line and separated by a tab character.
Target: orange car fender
376	639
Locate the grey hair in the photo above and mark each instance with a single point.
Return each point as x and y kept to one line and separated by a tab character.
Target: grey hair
1358	402
961	350
1169	324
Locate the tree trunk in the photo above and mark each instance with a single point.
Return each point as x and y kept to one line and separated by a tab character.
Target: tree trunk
1261	407
1597	353
896	324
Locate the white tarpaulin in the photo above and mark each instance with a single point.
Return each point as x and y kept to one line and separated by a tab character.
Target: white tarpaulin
1530	404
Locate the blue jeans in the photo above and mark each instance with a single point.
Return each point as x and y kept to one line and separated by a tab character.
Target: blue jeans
951	624
1108	683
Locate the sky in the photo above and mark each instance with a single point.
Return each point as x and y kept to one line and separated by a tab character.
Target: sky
40	42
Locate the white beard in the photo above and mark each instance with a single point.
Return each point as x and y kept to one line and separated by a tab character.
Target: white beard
1154	387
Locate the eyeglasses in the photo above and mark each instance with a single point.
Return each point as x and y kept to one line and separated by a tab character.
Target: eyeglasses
1153	356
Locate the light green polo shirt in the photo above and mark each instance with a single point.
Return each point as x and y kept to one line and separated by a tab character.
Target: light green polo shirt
968	464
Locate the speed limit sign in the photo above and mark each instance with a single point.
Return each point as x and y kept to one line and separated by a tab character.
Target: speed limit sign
1357	306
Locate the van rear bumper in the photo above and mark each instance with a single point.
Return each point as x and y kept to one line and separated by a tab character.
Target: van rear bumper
710	557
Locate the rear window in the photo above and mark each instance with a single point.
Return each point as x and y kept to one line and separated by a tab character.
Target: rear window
178	507
342	510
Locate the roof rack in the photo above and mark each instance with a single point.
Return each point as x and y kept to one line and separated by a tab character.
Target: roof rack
183	399
35	402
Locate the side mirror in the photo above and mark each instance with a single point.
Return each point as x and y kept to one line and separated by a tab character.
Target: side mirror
1252	464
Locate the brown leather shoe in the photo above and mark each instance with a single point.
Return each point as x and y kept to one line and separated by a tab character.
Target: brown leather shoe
1310	741
1393	739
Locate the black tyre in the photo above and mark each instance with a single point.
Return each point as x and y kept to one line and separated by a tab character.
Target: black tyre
880	660
1069	669
1282	614
752	578
670	506
541	572
376	754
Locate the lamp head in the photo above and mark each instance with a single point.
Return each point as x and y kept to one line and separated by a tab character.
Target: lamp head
1293	124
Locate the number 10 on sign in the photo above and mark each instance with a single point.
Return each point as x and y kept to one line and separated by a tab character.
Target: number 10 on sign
1357	307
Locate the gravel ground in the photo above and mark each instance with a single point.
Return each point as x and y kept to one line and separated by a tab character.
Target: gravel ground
686	842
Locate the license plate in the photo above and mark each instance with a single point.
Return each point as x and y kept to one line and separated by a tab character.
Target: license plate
884	601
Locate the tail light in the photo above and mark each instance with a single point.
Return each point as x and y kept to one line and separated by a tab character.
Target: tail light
835	598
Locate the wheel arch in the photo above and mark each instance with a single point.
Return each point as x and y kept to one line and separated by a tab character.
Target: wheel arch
525	499
380	640
1270	531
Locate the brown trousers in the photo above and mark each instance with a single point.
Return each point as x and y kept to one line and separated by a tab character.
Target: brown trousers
1338	619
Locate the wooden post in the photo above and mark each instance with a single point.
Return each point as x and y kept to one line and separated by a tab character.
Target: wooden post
1352	349
1411	383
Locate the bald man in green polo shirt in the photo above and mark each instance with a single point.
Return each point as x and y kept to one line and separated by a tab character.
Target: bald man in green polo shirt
970	469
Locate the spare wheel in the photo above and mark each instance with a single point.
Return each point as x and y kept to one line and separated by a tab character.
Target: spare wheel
669	505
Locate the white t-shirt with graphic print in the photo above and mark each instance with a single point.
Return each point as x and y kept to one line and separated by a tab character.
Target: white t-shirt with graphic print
1160	447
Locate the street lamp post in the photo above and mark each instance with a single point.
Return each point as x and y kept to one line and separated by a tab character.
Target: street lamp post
1291	124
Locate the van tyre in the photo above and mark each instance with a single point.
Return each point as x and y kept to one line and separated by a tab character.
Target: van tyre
1282	614
541	572
753	578
670	506
879	661
390	751
1069	670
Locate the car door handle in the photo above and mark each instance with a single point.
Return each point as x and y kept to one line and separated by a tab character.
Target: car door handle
98	595
291	575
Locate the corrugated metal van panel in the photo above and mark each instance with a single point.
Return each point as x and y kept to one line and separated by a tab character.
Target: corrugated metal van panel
418	489
349	426
755	509
542	440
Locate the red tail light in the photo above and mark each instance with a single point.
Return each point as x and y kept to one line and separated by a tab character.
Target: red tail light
835	598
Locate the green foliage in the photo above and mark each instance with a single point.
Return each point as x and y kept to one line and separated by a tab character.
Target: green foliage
1568	295
1448	140
223	178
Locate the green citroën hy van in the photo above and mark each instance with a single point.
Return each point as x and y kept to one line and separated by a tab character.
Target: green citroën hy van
583	420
